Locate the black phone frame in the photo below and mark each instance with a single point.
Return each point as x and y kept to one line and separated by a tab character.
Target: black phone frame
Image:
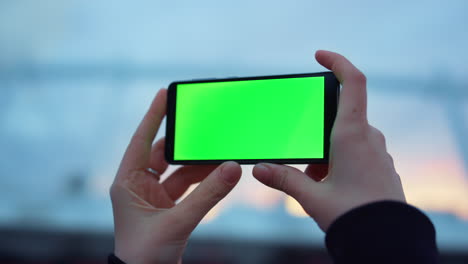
332	91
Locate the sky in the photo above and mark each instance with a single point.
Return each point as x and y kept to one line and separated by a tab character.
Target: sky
77	76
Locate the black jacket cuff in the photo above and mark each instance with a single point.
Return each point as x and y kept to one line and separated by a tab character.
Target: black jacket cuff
382	232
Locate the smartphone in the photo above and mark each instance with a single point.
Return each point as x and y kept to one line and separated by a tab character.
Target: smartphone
283	119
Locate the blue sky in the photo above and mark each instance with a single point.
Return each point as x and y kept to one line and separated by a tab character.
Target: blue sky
57	124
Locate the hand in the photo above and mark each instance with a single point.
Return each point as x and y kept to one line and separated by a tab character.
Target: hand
360	169
149	226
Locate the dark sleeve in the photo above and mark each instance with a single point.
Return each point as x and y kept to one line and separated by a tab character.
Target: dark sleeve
113	259
382	232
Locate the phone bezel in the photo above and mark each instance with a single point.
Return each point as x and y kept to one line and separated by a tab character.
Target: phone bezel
332	90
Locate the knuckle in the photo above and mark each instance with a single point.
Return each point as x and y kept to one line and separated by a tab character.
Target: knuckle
378	135
359	77
349	133
281	181
112	190
288	180
391	160
339	63
340	137
137	138
160	143
398	178
290	184
382	138
215	192
115	191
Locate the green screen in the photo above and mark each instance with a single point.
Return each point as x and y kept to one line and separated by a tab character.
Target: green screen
252	119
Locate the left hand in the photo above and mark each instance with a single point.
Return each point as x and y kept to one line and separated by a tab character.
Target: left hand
149	226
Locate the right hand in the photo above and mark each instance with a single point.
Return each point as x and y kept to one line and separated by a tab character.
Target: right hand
360	169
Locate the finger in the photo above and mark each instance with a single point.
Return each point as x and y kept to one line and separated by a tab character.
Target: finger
157	161
317	172
353	98
378	137
138	151
178	183
284	178
210	191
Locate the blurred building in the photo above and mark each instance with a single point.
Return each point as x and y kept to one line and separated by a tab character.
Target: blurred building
76	77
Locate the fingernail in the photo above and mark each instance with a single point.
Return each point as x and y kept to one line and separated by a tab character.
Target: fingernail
262	173
262	169
227	174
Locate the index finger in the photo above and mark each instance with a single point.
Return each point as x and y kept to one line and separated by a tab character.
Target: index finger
138	151
353	98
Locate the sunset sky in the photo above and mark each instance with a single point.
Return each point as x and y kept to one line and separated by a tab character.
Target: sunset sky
77	76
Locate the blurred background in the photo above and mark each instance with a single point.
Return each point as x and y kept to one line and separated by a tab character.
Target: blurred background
77	76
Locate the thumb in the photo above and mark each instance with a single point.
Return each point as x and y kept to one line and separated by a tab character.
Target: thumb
287	179
210	191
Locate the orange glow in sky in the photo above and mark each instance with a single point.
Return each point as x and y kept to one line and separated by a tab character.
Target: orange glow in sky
431	182
437	185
